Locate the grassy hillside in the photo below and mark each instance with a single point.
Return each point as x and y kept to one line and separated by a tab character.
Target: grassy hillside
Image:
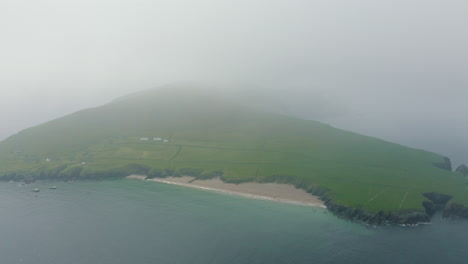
209	137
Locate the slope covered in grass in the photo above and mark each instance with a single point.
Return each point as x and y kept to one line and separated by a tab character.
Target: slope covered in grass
208	136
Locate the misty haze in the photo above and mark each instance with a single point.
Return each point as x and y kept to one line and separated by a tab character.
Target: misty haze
233	131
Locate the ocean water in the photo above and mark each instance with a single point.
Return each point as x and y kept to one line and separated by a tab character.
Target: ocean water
131	221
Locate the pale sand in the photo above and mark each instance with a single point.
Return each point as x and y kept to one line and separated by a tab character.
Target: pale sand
285	193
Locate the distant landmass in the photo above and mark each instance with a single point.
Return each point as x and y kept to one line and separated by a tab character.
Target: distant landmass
175	131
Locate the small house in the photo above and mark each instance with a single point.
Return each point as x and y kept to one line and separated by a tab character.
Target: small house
166	140
157	139
47	160
144	139
83	163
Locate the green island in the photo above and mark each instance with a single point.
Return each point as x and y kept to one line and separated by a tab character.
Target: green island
173	132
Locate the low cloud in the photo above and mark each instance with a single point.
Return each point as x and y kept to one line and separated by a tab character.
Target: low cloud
392	69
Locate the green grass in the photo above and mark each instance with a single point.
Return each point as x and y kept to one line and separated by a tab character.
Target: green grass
210	134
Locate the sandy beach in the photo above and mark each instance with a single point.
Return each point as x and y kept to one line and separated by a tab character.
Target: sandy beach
284	193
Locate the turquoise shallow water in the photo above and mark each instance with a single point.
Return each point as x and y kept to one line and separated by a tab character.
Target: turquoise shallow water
131	221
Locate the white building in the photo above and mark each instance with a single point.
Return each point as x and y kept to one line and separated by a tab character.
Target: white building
166	140
47	160
144	139
157	139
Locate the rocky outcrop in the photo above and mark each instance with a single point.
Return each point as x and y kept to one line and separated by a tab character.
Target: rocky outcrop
438	198
463	169
455	210
445	165
436	202
441	202
379	218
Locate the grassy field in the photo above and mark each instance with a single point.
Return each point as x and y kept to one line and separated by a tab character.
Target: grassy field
208	135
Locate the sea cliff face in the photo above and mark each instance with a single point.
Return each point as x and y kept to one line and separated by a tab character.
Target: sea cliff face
463	169
445	165
455	210
436	203
442	202
379	218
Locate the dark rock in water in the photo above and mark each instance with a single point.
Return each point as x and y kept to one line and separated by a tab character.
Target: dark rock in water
463	169
455	210
440	202
445	165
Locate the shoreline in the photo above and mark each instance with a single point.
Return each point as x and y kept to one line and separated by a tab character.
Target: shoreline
276	192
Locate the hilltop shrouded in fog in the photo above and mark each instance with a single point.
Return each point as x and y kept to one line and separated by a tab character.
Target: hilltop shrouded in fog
392	69
175	131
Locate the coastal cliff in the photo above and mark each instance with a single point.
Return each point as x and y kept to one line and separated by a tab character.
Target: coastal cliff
445	165
463	169
379	218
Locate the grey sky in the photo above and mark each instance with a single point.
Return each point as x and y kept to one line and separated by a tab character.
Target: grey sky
396	69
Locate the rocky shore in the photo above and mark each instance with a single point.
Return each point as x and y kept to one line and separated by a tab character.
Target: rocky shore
436	203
